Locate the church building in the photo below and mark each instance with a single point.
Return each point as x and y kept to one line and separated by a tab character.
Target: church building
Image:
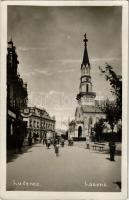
88	110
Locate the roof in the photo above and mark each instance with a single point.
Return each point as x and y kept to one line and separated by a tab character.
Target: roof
34	111
85	58
85	55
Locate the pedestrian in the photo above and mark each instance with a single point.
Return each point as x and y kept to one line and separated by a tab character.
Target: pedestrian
21	144
57	149
30	140
40	139
112	149
44	140
87	142
48	143
52	141
62	142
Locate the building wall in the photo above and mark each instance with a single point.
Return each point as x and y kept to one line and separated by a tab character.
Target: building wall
16	99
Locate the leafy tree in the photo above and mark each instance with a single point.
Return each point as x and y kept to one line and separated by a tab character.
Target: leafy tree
98	128
110	109
116	87
113	110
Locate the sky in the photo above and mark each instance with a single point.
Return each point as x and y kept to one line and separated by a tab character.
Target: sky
49	44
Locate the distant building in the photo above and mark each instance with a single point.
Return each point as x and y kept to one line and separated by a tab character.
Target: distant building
61	133
39	122
17	98
88	110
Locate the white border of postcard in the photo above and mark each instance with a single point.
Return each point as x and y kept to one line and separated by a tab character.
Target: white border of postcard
62	195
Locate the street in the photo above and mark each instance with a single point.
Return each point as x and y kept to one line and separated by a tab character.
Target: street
75	169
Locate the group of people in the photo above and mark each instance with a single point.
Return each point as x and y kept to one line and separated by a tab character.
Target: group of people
32	139
55	142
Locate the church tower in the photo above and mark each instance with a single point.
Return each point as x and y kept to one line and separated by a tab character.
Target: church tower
86	96
87	112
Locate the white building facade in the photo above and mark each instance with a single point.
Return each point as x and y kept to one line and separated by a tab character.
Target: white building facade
39	122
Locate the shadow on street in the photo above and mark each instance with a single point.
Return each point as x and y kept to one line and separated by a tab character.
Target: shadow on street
12	155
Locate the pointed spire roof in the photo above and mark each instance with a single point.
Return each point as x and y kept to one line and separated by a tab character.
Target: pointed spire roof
85	55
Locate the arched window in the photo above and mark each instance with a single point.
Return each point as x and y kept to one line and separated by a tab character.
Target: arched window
87	87
83	71
83	87
86	70
90	121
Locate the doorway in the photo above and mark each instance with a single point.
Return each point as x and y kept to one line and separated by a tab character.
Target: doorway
79	131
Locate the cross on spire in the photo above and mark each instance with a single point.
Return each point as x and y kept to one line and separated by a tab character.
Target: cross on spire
85	40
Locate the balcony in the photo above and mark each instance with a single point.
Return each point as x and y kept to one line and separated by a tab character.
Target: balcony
88	94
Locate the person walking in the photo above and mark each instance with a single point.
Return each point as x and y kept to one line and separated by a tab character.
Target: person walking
40	140
112	149
30	140
57	149
87	142
44	140
48	143
62	142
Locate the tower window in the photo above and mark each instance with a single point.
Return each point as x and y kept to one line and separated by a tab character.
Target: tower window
86	70
87	88
83	71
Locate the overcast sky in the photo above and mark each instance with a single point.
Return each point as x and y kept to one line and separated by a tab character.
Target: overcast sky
49	42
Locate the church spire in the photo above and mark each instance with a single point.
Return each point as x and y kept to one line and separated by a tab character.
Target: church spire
85	89
85	55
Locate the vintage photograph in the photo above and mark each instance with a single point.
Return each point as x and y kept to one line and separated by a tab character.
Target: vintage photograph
64	78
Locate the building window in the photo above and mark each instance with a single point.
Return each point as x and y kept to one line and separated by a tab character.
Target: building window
37	124
34	123
30	123
90	121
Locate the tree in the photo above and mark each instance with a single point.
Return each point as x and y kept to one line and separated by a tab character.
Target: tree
113	110
116	87
110	109
98	128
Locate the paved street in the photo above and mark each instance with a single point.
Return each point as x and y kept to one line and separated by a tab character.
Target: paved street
76	169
